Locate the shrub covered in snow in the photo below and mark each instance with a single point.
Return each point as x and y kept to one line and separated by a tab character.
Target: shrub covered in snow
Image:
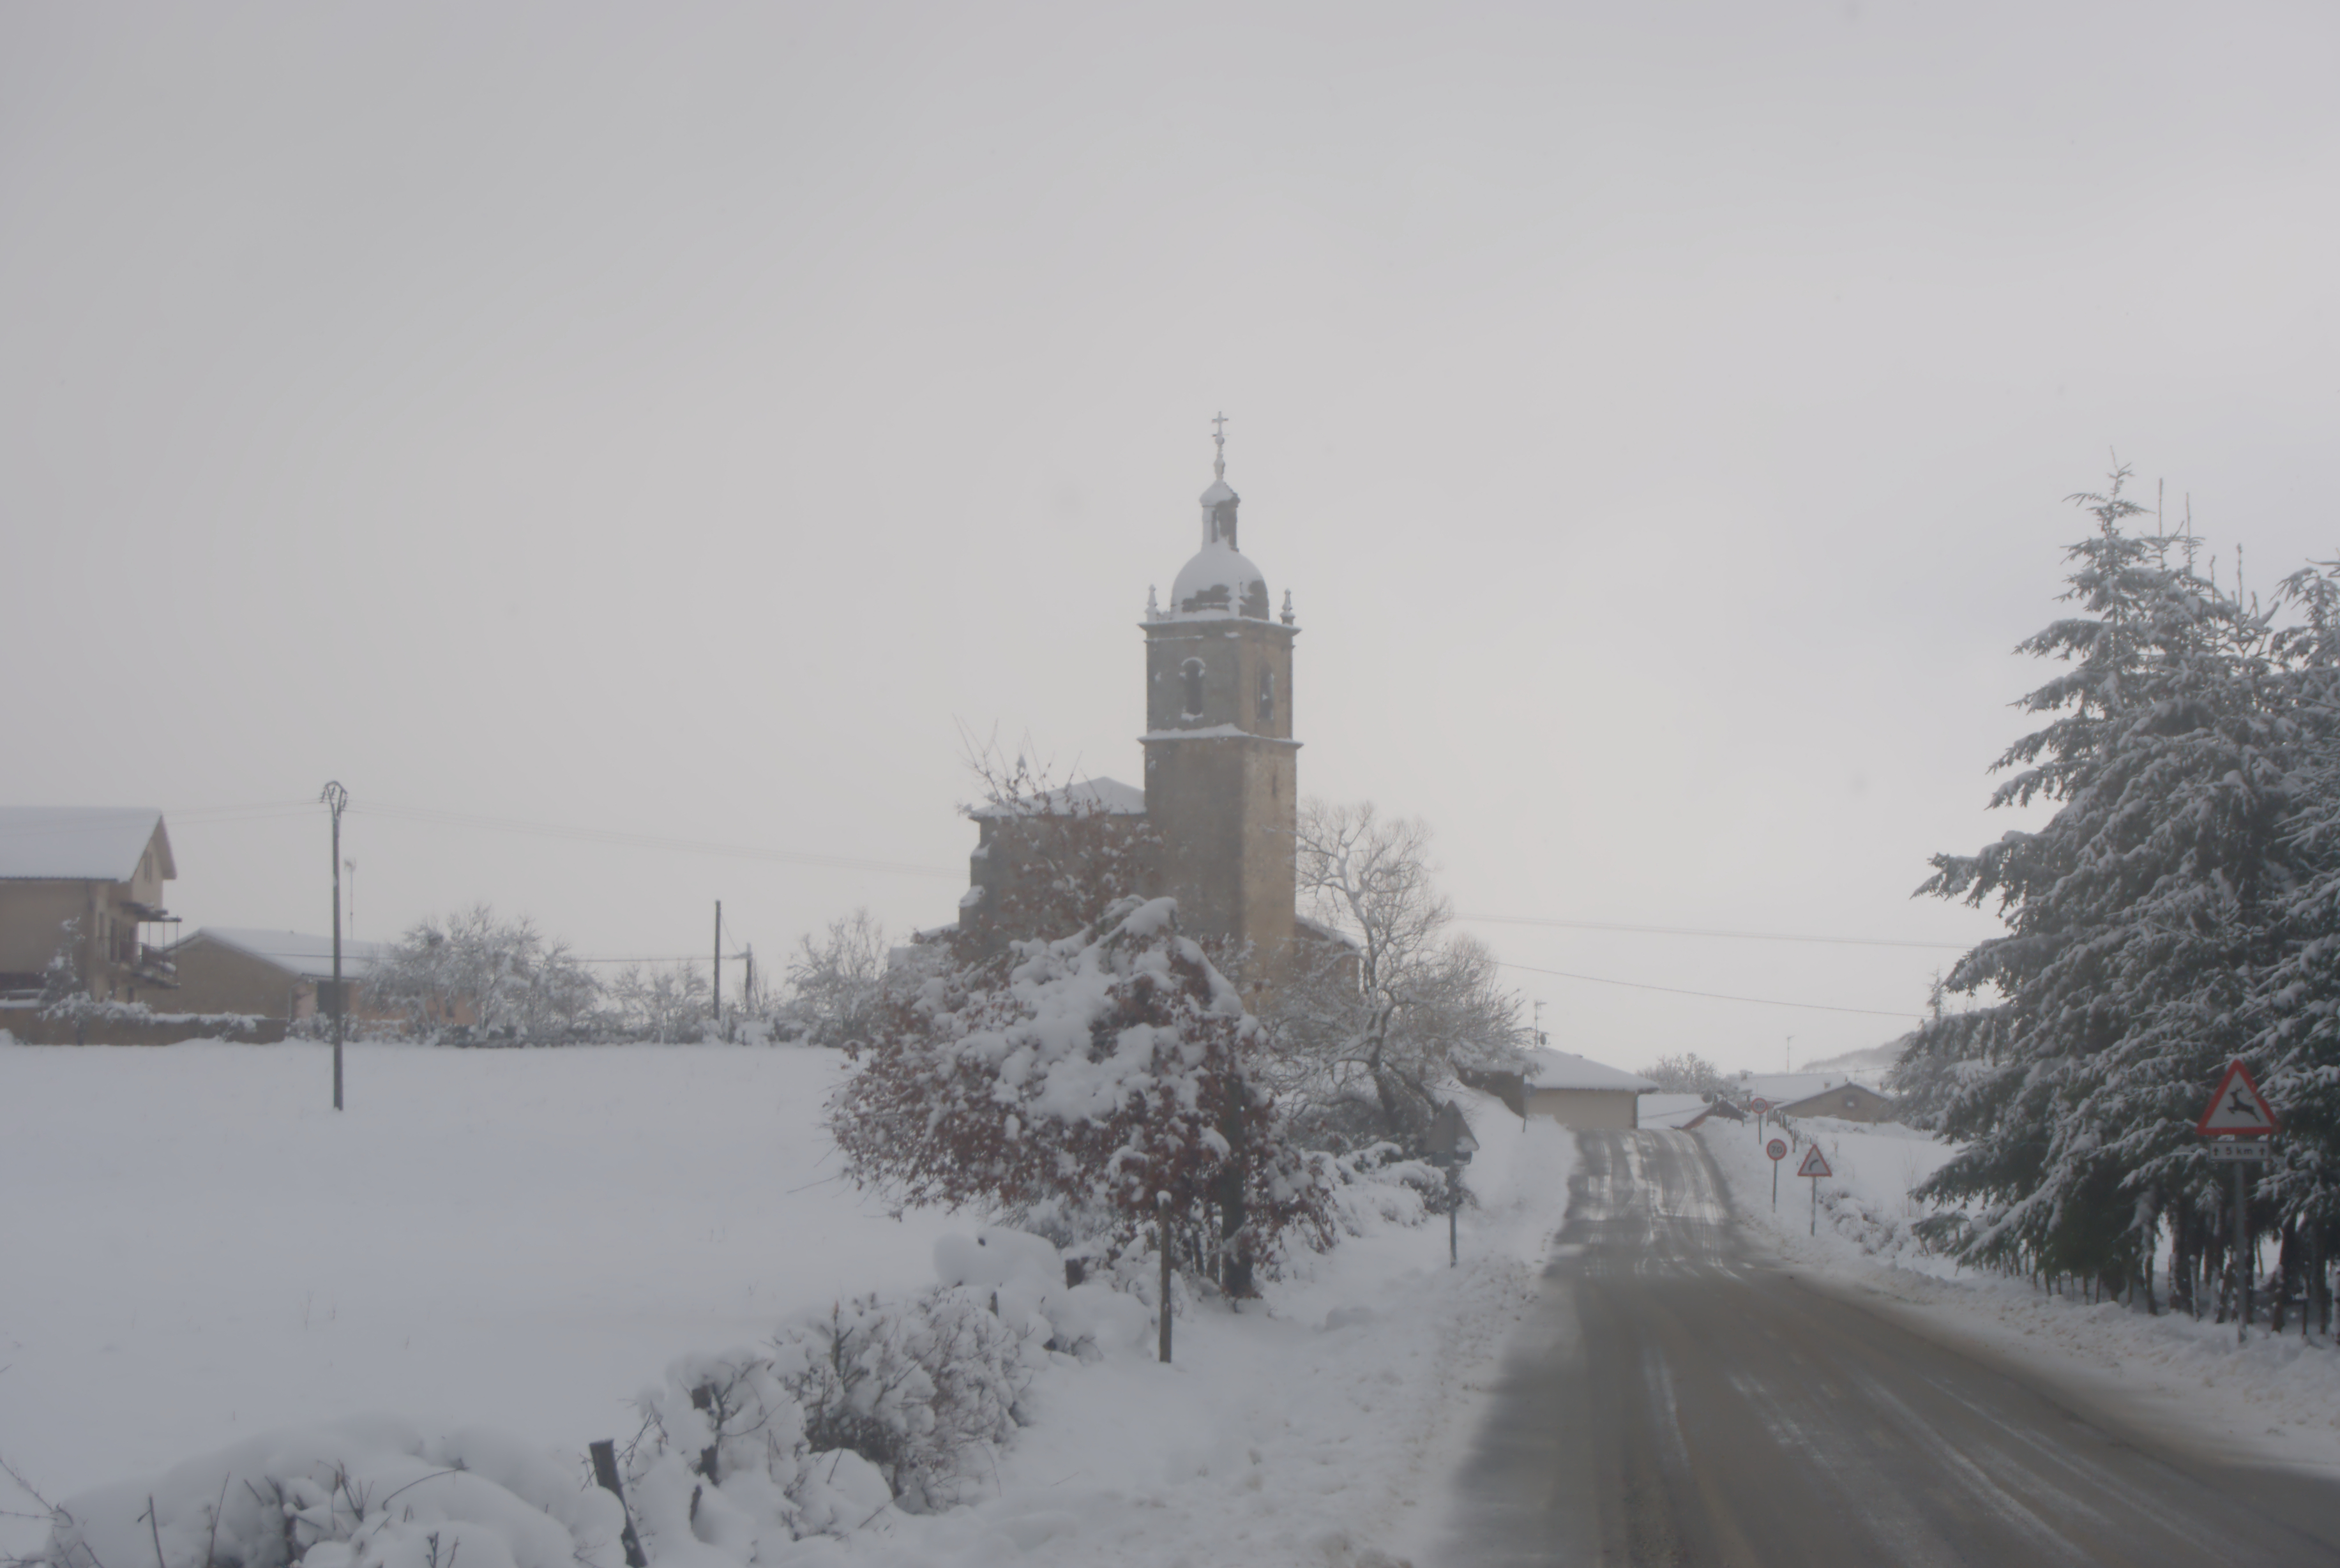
1092	1078
372	1492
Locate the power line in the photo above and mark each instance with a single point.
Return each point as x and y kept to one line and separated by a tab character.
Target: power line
1702	931
1712	995
647	840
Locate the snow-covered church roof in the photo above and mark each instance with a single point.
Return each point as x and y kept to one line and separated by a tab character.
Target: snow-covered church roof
80	843
1564	1070
1081	797
1219	582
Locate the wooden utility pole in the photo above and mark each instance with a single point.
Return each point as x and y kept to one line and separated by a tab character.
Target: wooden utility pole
336	799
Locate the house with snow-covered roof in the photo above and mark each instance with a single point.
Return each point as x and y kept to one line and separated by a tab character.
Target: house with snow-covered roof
81	890
1579	1092
268	974
1215	824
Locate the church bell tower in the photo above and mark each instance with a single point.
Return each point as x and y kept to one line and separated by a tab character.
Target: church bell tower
1221	765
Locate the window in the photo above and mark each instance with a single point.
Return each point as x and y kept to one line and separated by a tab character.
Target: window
1193	672
1267	699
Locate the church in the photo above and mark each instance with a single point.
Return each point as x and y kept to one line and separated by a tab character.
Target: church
1215	824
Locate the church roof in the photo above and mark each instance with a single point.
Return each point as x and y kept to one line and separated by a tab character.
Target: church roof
1220	581
1082	797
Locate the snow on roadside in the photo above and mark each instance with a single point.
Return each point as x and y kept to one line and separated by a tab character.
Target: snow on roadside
505	1247
2274	1401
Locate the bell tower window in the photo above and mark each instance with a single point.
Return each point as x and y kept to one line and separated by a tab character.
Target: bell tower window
1267	699
1191	673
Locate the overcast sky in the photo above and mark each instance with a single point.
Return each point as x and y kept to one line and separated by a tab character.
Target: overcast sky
689	422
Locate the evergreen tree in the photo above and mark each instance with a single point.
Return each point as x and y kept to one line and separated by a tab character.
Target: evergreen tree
2140	917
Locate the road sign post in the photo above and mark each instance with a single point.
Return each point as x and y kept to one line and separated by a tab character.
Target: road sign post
2242	1127
1452	1146
1815	1166
1778	1149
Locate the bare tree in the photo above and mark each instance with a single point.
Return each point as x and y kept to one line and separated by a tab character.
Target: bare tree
1388	1002
662	1003
1055	854
835	984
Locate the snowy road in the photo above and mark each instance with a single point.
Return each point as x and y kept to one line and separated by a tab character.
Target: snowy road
1677	1399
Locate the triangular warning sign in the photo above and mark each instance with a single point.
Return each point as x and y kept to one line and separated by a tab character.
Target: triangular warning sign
2238	1107
1815	1162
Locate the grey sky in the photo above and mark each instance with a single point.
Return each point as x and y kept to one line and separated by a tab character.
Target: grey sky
679	421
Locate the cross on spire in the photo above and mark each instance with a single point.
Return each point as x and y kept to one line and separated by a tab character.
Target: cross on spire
1219	437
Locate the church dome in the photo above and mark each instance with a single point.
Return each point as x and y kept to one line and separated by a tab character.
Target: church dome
1219	582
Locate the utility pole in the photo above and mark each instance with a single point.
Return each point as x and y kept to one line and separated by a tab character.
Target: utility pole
337	801
718	966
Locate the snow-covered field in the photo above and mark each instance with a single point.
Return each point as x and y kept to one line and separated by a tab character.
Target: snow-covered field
2274	1401
194	1249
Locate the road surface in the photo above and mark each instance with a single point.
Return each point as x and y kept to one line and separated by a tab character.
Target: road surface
1675	1398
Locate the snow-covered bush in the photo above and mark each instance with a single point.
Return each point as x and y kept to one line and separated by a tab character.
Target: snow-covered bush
1113	1077
372	1491
874	1403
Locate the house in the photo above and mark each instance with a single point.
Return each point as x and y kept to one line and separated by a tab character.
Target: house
269	974
1577	1092
81	888
1847	1102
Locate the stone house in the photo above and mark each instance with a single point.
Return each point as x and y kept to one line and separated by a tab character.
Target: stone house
267	974
85	884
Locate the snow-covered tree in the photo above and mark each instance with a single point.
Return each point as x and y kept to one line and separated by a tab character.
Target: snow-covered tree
1087	1076
2140	917
660	1002
1687	1073
503	976
834	985
1370	1026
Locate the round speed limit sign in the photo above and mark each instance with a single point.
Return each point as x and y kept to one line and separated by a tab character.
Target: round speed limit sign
1777	1148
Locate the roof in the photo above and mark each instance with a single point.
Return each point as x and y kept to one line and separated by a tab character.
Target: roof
294	952
1832	1097
1082	797
1218	582
80	843
1562	1070
1781	1089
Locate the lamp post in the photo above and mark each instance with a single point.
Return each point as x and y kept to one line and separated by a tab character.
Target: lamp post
337	801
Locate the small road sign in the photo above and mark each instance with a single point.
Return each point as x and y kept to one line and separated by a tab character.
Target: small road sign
1815	1166
1760	1106
2239	1107
1778	1149
2240	1124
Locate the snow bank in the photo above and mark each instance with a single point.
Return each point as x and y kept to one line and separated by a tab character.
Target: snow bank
513	1238
2271	1401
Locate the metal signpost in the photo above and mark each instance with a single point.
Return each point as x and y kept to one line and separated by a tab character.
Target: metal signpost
1762	1109
1452	1146
1778	1149
2241	1126
1815	1166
